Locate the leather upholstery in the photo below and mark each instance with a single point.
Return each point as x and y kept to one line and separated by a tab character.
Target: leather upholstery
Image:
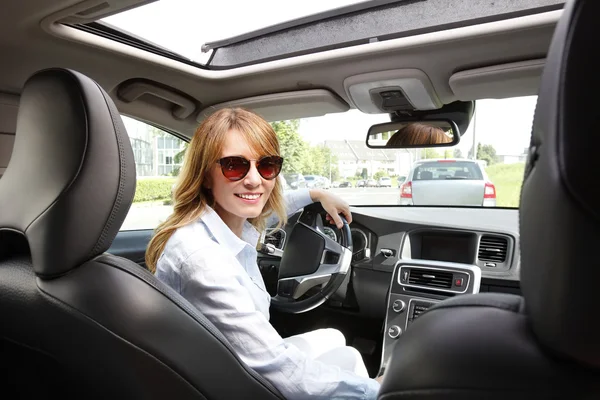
481	347
560	200
72	171
77	323
545	344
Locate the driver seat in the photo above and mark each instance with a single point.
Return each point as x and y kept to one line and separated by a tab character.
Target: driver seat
546	344
76	322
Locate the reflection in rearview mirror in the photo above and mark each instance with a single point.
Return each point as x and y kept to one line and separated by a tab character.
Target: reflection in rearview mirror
399	135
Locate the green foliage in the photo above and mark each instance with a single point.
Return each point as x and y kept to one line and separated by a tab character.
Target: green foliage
487	152
178	159
430	153
379	174
293	148
364	174
508	179
300	157
153	189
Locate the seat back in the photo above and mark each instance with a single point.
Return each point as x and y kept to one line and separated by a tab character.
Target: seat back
544	345
77	322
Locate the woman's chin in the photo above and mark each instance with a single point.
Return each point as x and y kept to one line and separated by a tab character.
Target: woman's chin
251	211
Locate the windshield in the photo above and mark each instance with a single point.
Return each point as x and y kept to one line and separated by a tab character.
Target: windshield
448	169
485	169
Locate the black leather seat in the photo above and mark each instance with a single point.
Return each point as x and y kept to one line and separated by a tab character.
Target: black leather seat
545	344
74	321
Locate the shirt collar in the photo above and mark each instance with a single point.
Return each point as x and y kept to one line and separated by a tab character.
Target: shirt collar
221	232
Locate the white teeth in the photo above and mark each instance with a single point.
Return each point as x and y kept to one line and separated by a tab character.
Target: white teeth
248	196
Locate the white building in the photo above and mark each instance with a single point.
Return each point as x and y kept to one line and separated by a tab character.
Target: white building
354	155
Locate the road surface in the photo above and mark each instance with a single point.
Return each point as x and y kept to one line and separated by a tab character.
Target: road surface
149	215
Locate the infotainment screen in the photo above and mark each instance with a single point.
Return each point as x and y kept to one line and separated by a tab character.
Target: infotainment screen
451	248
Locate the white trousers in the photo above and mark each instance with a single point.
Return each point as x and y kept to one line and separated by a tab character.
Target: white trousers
329	347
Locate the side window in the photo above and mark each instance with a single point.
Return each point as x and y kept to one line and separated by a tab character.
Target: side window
158	159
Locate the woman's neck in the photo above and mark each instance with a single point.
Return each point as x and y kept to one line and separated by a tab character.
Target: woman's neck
234	222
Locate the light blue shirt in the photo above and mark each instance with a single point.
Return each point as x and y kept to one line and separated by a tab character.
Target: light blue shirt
218	273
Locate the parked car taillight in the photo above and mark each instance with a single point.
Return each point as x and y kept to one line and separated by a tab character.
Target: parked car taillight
406	190
489	191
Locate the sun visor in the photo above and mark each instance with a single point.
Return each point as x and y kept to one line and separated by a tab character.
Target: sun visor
498	81
391	91
284	106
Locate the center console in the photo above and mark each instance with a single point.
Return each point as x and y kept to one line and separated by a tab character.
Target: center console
416	286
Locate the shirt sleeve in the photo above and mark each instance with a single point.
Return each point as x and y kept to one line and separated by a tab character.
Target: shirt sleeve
212	283
294	201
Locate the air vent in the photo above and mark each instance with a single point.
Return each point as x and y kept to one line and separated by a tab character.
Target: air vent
276	237
430	278
493	249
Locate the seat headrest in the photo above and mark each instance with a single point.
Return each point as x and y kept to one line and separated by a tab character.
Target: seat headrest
560	203
71	178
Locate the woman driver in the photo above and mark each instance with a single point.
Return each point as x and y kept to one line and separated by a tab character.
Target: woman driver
206	251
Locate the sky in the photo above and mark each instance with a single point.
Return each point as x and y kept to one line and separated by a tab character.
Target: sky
184	25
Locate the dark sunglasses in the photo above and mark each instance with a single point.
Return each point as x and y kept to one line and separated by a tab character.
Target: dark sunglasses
236	167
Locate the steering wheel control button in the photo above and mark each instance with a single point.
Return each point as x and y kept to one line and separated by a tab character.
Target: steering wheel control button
394	331
398	306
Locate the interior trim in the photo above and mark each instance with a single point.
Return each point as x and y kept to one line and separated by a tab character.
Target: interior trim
51	25
415	85
9	108
476	83
287	105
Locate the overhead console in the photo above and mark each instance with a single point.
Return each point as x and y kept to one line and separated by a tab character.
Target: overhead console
416	286
391	91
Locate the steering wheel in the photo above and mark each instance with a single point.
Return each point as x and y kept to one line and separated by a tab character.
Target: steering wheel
311	258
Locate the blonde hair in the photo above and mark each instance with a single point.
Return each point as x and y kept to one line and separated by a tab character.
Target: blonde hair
190	197
418	134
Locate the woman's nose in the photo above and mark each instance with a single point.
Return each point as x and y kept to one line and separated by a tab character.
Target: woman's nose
253	178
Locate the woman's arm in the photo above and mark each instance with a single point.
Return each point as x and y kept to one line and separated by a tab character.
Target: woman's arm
332	203
212	283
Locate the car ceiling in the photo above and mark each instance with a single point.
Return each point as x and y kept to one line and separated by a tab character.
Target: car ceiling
30	40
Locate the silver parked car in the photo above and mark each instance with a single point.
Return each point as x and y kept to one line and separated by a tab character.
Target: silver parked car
454	182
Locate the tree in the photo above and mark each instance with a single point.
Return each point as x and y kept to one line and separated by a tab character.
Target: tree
430	153
379	174
487	152
179	157
457	153
293	148
364	174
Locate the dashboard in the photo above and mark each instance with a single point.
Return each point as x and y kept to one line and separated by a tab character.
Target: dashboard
382	236
407	259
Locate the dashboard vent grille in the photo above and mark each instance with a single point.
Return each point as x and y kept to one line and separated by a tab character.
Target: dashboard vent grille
430	278
493	248
276	237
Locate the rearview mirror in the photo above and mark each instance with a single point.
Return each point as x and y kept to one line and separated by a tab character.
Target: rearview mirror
407	134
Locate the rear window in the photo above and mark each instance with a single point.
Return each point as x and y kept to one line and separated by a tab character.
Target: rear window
448	170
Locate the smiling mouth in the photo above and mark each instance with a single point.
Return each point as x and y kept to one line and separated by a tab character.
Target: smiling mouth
249	196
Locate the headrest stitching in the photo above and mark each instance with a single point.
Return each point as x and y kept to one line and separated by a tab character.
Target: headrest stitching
122	173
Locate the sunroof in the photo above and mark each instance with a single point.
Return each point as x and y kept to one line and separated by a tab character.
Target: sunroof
183	26
231	33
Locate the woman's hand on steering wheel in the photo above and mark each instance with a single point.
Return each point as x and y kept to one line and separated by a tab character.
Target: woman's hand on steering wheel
334	205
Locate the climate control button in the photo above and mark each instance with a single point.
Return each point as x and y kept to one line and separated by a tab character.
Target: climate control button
394	331
398	306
